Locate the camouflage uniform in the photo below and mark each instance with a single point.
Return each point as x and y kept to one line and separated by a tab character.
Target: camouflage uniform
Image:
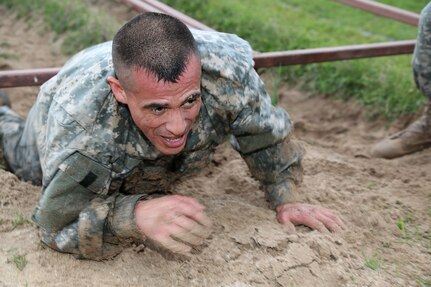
97	164
422	55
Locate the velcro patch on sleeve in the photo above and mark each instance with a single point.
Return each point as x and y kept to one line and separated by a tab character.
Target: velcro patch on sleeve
87	172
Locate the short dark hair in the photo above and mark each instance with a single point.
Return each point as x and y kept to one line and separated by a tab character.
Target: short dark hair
157	43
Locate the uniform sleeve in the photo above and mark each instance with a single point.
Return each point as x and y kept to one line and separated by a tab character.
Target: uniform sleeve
238	104
262	134
77	214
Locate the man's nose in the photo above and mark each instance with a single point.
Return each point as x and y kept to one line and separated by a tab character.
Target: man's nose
176	123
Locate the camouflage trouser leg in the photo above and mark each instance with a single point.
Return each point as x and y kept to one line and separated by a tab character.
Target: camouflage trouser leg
422	55
19	145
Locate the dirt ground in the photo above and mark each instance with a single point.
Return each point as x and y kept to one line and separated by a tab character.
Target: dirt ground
386	205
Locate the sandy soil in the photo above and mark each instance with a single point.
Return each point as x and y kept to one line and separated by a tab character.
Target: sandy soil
248	247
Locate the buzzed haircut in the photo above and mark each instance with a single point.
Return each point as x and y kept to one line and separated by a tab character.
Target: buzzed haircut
157	43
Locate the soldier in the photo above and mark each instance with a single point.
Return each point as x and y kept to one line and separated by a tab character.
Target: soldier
416	136
113	130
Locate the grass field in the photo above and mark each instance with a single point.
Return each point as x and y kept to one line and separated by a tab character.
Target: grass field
383	85
80	26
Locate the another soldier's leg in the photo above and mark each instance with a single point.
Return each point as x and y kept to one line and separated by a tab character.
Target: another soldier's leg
417	136
4	101
19	145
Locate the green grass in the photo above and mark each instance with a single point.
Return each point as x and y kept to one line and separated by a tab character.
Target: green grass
6	56
73	19
424	282
4	45
412	233
372	262
402	226
19	260
413	6
19	220
384	85
372	185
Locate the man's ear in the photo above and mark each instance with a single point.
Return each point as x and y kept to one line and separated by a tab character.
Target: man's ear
117	90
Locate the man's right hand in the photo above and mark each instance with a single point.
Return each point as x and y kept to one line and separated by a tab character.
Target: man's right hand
176	222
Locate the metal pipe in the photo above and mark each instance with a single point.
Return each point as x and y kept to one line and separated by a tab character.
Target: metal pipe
155	6
37	77
318	55
177	14
384	10
140	6
22	78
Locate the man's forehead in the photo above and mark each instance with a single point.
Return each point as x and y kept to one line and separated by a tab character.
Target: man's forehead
146	78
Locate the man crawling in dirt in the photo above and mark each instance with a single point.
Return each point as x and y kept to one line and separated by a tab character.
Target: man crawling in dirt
111	133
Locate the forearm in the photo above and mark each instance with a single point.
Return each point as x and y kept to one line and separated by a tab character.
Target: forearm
279	169
99	230
77	213
262	133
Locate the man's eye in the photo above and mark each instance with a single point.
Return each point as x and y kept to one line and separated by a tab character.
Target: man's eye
158	110
190	101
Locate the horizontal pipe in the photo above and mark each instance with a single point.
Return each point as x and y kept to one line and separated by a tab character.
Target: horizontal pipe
140	6
177	14
156	6
37	77
384	10
23	78
318	55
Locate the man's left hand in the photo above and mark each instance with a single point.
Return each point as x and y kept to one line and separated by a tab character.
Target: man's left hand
313	216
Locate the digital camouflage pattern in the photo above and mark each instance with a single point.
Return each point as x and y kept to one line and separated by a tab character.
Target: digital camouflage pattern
96	164
422	54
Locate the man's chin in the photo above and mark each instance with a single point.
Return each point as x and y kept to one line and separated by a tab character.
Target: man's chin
171	151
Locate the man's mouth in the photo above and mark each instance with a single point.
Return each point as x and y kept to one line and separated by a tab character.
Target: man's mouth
174	142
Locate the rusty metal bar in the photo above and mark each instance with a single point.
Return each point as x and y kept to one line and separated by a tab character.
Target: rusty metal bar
141	6
384	10
177	14
37	77
22	78
156	6
318	55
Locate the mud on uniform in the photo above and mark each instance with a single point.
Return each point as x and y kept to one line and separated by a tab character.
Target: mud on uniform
94	164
